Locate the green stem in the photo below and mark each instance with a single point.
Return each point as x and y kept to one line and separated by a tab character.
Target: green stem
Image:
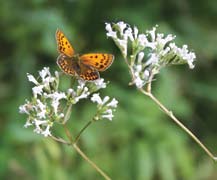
84	156
178	122
81	131
68	114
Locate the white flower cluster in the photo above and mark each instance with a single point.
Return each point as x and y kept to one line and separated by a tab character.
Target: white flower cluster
44	108
105	107
149	52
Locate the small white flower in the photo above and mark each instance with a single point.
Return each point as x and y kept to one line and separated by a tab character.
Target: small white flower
162	41
146	74
70	91
152	60
138	68
27	124
152	33
138	81
56	96
142	39
135	32
128	34
184	53
37	90
110	32
41	109
140	57
105	100
85	93
108	114
23	109
100	83
46	132
122	44
44	72
96	98
39	122
61	115
113	103
32	79
121	26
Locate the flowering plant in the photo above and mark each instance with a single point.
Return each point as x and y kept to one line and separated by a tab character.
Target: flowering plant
50	105
145	55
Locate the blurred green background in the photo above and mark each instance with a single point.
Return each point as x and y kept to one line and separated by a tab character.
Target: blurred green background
141	143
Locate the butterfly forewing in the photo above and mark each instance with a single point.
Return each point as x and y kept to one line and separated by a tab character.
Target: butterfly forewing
67	65
99	61
63	45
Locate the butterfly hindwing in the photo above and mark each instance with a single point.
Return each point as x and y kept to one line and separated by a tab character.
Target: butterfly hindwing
63	45
67	65
88	73
99	61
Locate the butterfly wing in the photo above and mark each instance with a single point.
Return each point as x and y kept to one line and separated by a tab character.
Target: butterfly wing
63	45
68	65
88	73
99	61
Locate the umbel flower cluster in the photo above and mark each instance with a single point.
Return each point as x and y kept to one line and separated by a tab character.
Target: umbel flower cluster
47	105
146	54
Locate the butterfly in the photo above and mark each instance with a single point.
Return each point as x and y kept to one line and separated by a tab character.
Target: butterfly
86	66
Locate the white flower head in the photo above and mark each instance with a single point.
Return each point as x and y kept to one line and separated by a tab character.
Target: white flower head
105	107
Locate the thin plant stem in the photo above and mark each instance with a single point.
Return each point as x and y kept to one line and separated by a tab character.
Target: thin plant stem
84	156
82	130
68	113
79	151
91	162
60	140
178	122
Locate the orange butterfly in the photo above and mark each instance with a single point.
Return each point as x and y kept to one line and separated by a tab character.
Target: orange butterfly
85	66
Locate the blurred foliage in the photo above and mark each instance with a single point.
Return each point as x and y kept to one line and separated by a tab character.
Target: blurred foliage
141	142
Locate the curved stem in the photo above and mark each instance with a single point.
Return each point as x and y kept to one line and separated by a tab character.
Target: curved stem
170	114
84	155
81	131
60	140
91	162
